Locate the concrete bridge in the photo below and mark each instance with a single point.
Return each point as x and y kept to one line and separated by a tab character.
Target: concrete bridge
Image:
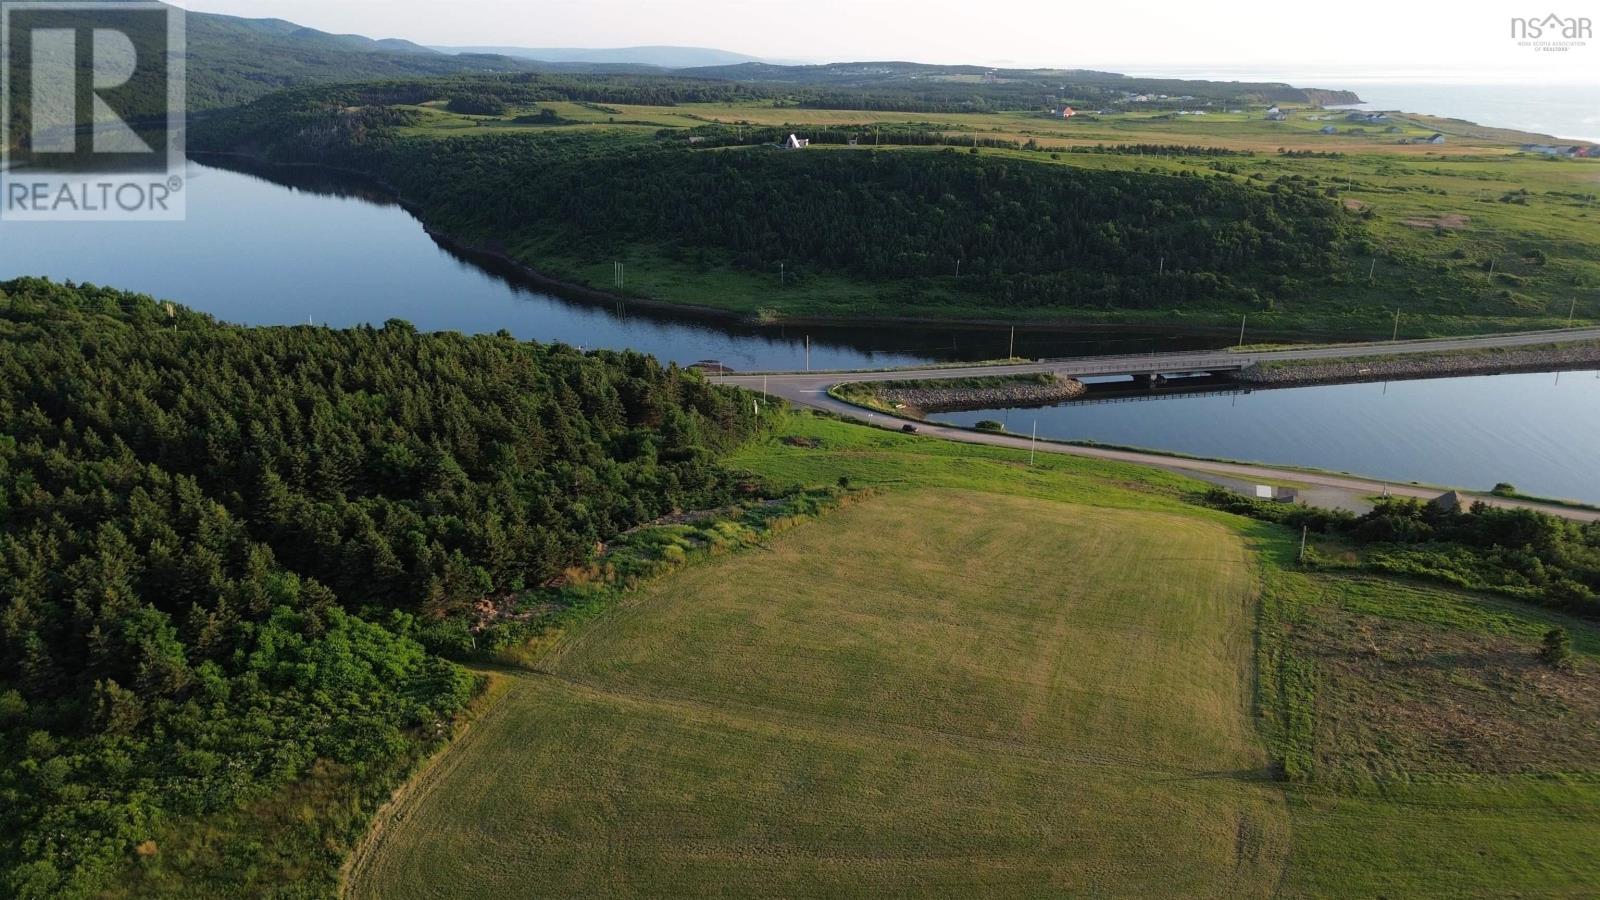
811	389
1166	364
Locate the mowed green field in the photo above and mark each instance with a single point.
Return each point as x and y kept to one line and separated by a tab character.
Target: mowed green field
936	691
1055	679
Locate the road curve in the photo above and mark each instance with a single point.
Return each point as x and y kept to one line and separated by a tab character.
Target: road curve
811	390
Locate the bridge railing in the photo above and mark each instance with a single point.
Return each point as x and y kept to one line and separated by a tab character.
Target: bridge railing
1155	365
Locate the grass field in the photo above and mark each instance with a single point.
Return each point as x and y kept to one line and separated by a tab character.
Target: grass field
1003	680
942	691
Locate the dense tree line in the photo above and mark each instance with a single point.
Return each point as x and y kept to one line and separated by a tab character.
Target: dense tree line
1026	234
477	105
219	546
1520	552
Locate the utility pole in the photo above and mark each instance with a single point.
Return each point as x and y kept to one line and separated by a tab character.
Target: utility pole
1572	313
764	394
1163	266
1011	352
1396	326
1305	532
808	353
783	274
958	268
1033	443
1242	320
1372	270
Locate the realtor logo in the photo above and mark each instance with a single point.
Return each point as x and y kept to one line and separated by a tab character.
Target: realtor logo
1552	33
91	111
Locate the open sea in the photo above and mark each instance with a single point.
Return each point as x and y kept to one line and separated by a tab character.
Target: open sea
1570	111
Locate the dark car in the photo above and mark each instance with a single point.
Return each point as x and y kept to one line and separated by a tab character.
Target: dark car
908	428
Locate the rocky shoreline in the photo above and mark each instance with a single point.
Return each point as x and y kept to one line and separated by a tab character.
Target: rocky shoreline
1430	365
932	396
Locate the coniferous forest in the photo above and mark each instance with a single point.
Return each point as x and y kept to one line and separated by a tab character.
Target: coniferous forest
1027	235
221	548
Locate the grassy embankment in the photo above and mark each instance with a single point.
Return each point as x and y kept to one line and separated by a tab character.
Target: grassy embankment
880	395
1469	236
1581	352
1020	681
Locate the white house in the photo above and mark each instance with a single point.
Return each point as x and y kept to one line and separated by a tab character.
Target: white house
796	143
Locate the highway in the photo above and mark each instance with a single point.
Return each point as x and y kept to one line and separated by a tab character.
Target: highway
810	389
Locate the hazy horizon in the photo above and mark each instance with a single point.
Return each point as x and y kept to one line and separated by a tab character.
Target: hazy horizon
1369	39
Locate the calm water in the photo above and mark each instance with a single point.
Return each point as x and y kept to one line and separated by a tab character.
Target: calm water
260	252
1539	432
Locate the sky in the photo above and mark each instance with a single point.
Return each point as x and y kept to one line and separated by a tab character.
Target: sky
1467	39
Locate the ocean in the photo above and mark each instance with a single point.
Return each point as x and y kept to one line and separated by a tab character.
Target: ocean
1569	111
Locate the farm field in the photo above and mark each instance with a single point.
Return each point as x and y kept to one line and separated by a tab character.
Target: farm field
946	691
1018	681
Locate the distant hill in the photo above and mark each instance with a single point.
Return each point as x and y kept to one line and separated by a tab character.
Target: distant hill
659	57
1082	84
234	60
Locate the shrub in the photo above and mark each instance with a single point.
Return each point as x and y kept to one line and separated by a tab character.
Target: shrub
990	425
1557	650
477	105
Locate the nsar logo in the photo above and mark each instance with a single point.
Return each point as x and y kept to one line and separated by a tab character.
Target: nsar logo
1552	32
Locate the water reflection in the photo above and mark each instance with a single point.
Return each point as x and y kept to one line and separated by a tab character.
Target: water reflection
1537	431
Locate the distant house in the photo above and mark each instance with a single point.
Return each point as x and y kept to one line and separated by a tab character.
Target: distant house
1573	152
1455	501
1329	129
1369	118
1276	115
1066	112
1277	494
1435	138
796	143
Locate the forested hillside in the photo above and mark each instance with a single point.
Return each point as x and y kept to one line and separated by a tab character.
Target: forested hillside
231	60
220	546
1025	235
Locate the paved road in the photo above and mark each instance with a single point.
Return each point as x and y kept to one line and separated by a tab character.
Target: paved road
811	390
